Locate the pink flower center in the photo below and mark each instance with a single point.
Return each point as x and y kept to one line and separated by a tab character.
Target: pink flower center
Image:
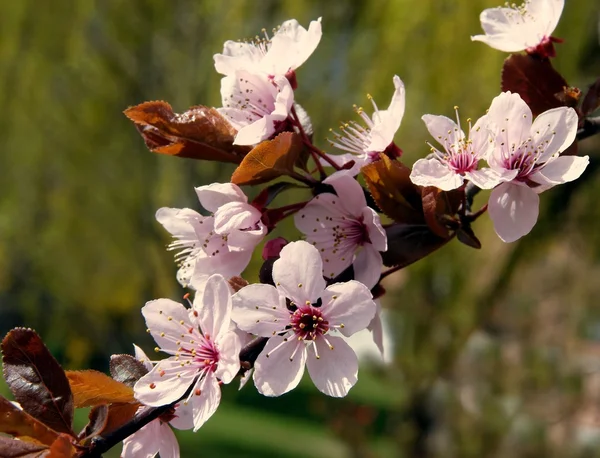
206	354
523	159
308	323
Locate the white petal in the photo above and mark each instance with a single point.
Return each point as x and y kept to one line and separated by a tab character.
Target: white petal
431	172
514	210
163	319
350	304
555	131
184	417
367	266
375	230
169	447
388	121
215	195
510	119
206	404
260	309
443	129
351	194
486	178
214	307
236	216
255	133
179	221
561	170
144	443
547	13
336	370
229	357
376	328
282	370
298	272
164	384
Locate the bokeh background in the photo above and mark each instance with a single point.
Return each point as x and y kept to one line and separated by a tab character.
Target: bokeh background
496	352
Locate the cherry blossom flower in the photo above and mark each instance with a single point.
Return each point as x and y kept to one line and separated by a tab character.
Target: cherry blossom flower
256	104
460	158
365	143
299	315
221	243
531	150
205	352
343	225
527	27
290	47
157	436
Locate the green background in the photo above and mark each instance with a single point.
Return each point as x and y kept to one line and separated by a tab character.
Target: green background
496	350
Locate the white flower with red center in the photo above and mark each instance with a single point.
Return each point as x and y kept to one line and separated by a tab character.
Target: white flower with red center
157	436
364	143
256	104
459	160
529	150
300	315
344	229
290	47
205	352
527	27
221	243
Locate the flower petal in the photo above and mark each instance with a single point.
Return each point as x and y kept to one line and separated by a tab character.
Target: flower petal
514	210
350	193
349	304
487	178
184	418
229	357
375	230
554	131
163	320
282	369
164	384
443	129
206	404
509	118
431	172
388	121
336	369
215	195
561	170
298	272
376	328
144	443
367	266
260	309
169	447
214	307
142	357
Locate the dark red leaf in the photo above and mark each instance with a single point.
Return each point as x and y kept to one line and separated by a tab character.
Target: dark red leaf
535	80
19	423
36	380
591	101
267	195
199	133
466	235
269	160
407	243
13	448
126	369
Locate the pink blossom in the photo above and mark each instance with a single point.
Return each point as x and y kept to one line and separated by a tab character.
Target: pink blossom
459	160
299	315
365	143
526	27
290	47
221	243
530	150
205	352
256	104
344	229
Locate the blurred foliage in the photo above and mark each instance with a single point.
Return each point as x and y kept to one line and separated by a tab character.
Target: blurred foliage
496	350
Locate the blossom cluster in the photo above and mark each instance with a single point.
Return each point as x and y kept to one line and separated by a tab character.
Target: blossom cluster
317	291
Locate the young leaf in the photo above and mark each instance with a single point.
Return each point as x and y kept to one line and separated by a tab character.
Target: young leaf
92	388
199	133
535	80
126	369
269	160
61	448
36	380
591	101
19	423
13	448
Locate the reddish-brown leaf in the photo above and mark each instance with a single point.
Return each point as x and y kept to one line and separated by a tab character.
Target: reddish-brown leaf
407	243
118	415
19	423
199	133
36	380
396	196
126	369
13	448
438	207
61	448
466	235
98	418
535	80
93	388
591	101
269	160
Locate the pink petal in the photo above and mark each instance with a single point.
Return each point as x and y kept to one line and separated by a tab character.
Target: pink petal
229	357
514	210
177	221
260	309
228	264
350	304
184	417
292	45
298	272
215	195
214	307
236	216
555	131
244	240
367	266
546	12
341	159
163	317
561	170
375	230
350	193
388	121
481	138
487	178
206	404
431	172
336	369
282	370
144	443
169	447
510	119
376	328
443	129
255	133
237	56
142	357
164	384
